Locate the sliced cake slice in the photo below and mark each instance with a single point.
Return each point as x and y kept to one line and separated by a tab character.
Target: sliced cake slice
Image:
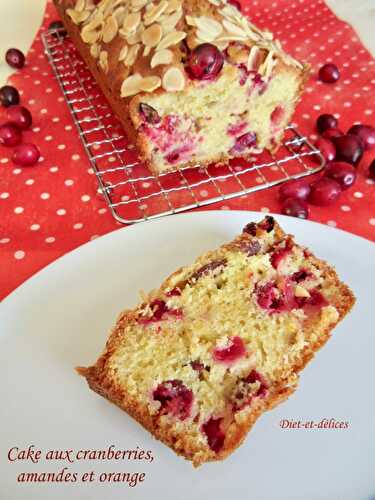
221	341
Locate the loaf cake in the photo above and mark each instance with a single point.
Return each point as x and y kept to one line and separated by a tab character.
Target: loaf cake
221	341
193	81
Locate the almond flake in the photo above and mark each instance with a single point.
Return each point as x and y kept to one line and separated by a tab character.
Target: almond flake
267	35
80	6
215	2
135	37
120	15
233	29
90	36
103	61
152	35
253	60
154	13
146	50
130	86
95	21
139	4
208	25
204	36
231	38
123	53
131	22
132	55
150	83
95	50
161	57
223	45
173	5
168	23
78	17
110	29
190	20
170	39
300	291
173	80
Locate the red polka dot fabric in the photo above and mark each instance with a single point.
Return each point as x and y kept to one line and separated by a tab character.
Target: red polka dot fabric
52	208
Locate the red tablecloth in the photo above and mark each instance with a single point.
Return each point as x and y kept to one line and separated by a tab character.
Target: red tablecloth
52	208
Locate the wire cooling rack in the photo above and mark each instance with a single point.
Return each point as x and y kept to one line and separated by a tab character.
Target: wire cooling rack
132	193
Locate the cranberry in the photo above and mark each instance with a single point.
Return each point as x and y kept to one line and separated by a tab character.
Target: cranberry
280	254
349	148
298	189
244	142
250	228
26	155
9	96
267	224
329	73
235	350
197	366
341	172
327	148
324	192
301	275
159	311
215	436
250	248
149	114
175	398
10	135
276	298
57	28
207	269
315	301
295	208
366	133
371	171
255	376
205	62
236	4
324	122
332	133
277	115
15	58
20	116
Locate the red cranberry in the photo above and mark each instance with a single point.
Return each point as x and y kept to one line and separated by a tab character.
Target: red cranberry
276	298
20	116
298	189
57	28
149	114
207	269
205	62
277	115
250	228
26	155
349	148
329	73
215	436
236	4
9	96
244	142
175	398
315	301
324	192
234	351
255	376
327	149
371	171
15	58
267	224
160	311
295	208
341	172
332	133
278	256
10	135
325	122
366	133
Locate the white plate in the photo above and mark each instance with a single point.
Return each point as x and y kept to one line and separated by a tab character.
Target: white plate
59	319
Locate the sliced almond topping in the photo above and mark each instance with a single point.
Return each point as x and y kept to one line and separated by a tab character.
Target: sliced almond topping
152	35
135	37
132	55
205	36
110	29
208	25
221	45
268	65
95	21
123	53
80	6
131	85
230	38
253	60
131	22
173	80
139	4
233	29
160	57
155	12
150	83
120	15
172	6
190	20
90	36
238	54
146	50
103	61
95	50
78	17
170	39
300	291
168	23
215	2
267	35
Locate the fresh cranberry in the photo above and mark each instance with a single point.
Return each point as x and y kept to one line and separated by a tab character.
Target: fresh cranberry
341	172
20	117
9	96
236	4
235	350
205	62
324	122
324	192
215	436
175	398
298	189
10	135
371	171
15	58
26	155
349	148
329	73
244	142
57	29
148	113
327	149
332	133
366	133
295	208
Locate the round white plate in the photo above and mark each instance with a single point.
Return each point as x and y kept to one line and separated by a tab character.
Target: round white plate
59	319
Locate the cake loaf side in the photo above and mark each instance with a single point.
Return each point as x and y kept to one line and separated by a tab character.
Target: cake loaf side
221	341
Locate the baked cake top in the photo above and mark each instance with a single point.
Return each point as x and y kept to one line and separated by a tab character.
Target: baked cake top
144	46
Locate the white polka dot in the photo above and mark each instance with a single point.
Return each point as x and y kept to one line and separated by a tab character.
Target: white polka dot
36	129
61	211
45	196
17	171
50	239
79	225
68	127
265	209
31	101
370	181
29	182
18	210
48	138
44	111
111	159
102	211
90	171
4	196
345	208
85	197
55	119
4	160
143	207
20	254
68	182
368	112
372	222
35	227
358	194
146	184
224	207
204	193
332	223
75	157
61	146
125	198
54	169
4	240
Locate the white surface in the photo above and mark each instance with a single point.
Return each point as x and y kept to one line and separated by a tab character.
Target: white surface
60	317
23	18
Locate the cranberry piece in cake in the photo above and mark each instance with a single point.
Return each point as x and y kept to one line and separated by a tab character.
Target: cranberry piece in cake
149	114
276	298
175	399
207	269
234	351
267	224
205	62
250	228
245	392
214	433
281	253
244	142
160	311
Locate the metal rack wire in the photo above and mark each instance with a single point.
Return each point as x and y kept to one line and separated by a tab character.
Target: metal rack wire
131	192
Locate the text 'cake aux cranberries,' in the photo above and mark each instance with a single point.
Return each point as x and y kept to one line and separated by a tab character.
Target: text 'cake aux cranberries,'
221	341
192	81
